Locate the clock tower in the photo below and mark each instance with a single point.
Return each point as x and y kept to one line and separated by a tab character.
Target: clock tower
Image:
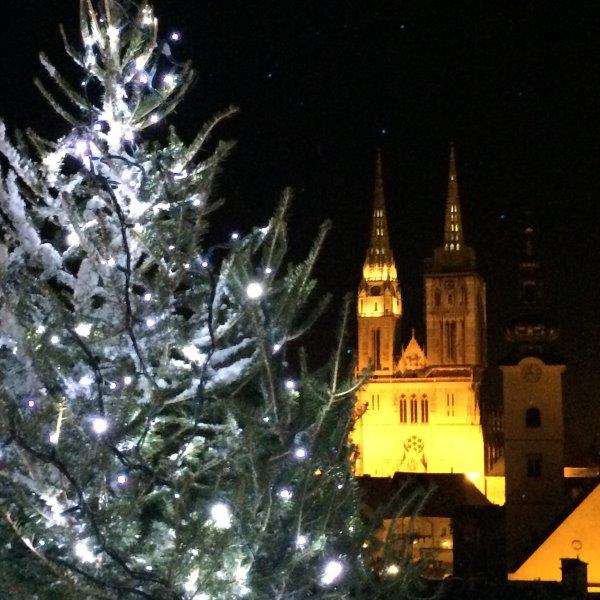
533	414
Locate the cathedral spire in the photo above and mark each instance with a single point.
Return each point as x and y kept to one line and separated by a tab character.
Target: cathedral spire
453	255
379	264
453	231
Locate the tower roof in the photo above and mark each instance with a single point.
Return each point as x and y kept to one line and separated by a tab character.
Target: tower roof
379	264
453	230
454	255
532	331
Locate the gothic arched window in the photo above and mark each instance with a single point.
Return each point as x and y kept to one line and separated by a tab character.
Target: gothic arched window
403	409
414	415
533	417
424	409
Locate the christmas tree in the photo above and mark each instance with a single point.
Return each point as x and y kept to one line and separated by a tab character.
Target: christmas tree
152	444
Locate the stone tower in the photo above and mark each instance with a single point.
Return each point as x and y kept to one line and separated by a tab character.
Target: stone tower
533	414
379	297
455	293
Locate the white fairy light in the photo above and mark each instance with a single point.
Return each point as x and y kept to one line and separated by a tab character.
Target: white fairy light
290	384
40	329
83	552
127	380
169	80
254	290
220	515
300	453
393	569
154	119
268	270
143	78
53	438
301	541
175	36
86	380
276	347
147	297
235	235
112	385
150	322
55	340
122	479
340	486
192	353
83	329
204	264
285	494
171	247
31	403
331	573
99	425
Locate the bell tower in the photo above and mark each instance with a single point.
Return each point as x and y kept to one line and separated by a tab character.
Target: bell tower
533	413
455	293
379	297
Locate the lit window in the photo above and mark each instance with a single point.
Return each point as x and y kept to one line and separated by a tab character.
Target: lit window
402	409
424	409
414	417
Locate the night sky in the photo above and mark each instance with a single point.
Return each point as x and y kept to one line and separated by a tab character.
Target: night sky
322	84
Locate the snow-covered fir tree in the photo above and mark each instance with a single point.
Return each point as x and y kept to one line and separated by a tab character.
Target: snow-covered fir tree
151	445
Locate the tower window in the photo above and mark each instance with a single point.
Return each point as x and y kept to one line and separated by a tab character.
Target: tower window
450	405
376	347
534	465
414	416
451	341
402	409
424	409
533	417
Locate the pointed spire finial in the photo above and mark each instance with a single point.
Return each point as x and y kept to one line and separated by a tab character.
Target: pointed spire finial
379	255
453	232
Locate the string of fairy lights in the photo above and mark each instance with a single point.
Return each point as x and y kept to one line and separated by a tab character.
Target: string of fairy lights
116	127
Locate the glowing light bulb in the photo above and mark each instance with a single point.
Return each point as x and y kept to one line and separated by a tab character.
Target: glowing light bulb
53	438
121	479
332	572
285	494
112	385
254	290
150	322
235	236
220	515
290	384
55	340
169	80
40	329
143	78
300	453
99	425
83	552
276	347
86	380
392	570
268	270
127	380
154	119
147	297
204	264
31	403
301	541
175	36
83	329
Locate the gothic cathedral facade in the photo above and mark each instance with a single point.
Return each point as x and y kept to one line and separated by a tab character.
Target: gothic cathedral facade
420	411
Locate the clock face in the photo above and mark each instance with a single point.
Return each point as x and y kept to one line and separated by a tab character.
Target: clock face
531	373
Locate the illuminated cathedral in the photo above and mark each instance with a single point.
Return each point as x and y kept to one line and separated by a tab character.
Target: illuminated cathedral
420	414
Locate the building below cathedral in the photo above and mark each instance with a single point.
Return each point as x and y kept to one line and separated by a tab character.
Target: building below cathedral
419	416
